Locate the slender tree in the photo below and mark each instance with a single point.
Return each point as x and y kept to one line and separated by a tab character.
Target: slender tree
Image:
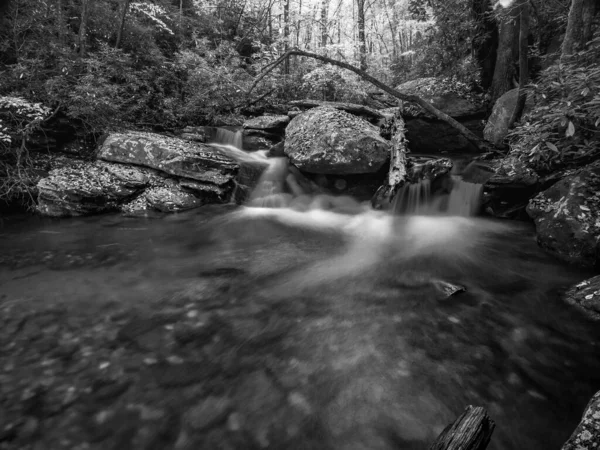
523	6
505	70
362	45
85	12
124	9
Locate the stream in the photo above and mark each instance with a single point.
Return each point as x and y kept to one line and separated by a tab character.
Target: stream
389	359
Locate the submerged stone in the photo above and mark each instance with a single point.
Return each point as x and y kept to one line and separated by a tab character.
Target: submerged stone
587	434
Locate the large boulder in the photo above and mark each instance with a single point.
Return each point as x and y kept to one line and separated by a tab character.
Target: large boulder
567	217
328	141
585	296
587	434
84	188
428	135
508	185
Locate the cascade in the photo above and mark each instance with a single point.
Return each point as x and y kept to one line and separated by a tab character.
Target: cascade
224	136
465	198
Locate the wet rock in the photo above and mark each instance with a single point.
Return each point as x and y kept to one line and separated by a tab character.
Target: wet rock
508	190
327	141
267	122
183	374
257	400
430	169
195	134
87	188
173	156
587	434
171	198
586	297
567	218
276	150
447	289
209	412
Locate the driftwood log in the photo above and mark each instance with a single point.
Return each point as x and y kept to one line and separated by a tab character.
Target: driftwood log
471	431
397	172
352	108
477	141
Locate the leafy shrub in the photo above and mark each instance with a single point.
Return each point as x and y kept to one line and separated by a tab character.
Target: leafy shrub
562	129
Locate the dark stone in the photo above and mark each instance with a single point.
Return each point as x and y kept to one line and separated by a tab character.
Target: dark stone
430	169
208	413
325	140
507	192
567	218
433	136
586	297
184	374
277	150
587	434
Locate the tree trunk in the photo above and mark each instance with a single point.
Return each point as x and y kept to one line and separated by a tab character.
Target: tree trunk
362	47
286	34
579	26
85	12
504	70
471	431
485	41
523	63
324	13
60	21
122	23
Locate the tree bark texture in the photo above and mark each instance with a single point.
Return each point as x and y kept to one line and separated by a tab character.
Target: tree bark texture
122	23
523	61
485	41
471	431
85	12
362	45
504	70
579	26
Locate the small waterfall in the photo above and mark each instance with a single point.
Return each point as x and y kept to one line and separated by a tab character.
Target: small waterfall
223	136
413	198
465	198
417	198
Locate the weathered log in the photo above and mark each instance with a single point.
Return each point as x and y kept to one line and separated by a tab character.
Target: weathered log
352	108
471	431
397	172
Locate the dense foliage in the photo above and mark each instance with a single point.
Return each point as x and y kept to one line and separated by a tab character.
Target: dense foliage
562	128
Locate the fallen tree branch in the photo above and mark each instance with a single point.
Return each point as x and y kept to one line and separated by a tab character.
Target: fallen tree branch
471	431
397	172
469	135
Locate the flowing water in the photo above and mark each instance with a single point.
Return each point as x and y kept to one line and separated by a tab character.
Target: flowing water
389	360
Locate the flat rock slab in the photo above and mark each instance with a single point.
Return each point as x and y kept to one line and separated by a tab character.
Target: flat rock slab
172	156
